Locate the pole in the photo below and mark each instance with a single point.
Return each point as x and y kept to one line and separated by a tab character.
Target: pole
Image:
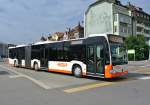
149	54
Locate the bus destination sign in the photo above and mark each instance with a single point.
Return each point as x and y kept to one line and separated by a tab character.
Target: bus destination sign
116	39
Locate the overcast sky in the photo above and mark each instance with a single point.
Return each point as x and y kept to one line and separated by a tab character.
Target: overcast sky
25	21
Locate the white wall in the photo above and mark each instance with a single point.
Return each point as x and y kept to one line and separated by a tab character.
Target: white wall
98	19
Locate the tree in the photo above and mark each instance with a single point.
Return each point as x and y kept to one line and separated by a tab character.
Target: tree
138	43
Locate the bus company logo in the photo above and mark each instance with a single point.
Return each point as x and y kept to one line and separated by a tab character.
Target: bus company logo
117	67
62	64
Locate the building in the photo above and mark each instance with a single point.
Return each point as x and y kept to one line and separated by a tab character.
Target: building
108	16
76	32
57	36
141	22
3	50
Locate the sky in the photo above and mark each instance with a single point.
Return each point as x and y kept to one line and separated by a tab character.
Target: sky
25	21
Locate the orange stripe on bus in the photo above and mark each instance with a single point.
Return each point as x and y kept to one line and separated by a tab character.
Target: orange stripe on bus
63	71
60	71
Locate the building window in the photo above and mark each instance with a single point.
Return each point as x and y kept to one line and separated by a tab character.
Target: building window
146	31
129	30
115	17
123	27
115	28
139	29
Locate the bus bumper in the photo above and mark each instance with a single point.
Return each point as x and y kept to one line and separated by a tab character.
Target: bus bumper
110	73
117	74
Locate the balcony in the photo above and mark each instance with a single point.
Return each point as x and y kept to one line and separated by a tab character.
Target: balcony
140	25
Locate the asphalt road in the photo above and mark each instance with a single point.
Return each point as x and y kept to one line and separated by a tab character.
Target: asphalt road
20	86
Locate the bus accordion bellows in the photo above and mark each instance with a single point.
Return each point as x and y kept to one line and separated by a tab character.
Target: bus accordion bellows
99	55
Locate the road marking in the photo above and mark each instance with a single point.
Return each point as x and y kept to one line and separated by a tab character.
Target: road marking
37	82
147	73
11	70
15	76
25	76
145	66
142	69
144	78
87	87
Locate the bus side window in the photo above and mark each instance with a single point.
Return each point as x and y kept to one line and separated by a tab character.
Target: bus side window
77	52
66	53
60	53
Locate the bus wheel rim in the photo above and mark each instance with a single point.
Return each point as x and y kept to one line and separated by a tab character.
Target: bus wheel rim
77	71
36	67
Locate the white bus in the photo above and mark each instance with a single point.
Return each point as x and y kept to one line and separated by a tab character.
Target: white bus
99	55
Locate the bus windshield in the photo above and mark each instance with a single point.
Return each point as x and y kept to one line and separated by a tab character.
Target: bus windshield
118	53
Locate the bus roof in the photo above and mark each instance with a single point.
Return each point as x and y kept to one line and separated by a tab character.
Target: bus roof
11	47
92	35
48	42
96	35
17	46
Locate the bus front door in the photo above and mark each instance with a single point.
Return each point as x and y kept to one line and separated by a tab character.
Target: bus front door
95	60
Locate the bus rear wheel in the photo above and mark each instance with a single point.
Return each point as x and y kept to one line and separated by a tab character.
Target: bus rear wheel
36	67
77	71
15	64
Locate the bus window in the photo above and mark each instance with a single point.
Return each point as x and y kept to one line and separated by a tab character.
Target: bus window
60	53
77	52
100	59
35	54
66	53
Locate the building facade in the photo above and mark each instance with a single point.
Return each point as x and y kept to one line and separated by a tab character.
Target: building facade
74	33
141	22
3	50
108	16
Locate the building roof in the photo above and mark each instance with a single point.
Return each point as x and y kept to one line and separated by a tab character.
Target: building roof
117	2
136	9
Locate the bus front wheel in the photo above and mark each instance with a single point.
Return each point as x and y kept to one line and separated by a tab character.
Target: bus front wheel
36	67
77	71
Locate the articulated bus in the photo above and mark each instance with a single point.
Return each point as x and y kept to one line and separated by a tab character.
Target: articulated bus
101	55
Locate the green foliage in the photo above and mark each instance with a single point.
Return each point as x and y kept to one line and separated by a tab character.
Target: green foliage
137	43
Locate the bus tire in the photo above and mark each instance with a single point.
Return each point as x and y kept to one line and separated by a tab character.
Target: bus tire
36	67
77	71
15	63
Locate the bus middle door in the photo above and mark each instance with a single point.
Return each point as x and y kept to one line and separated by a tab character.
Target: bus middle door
44	58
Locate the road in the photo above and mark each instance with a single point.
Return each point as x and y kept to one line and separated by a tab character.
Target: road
19	86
